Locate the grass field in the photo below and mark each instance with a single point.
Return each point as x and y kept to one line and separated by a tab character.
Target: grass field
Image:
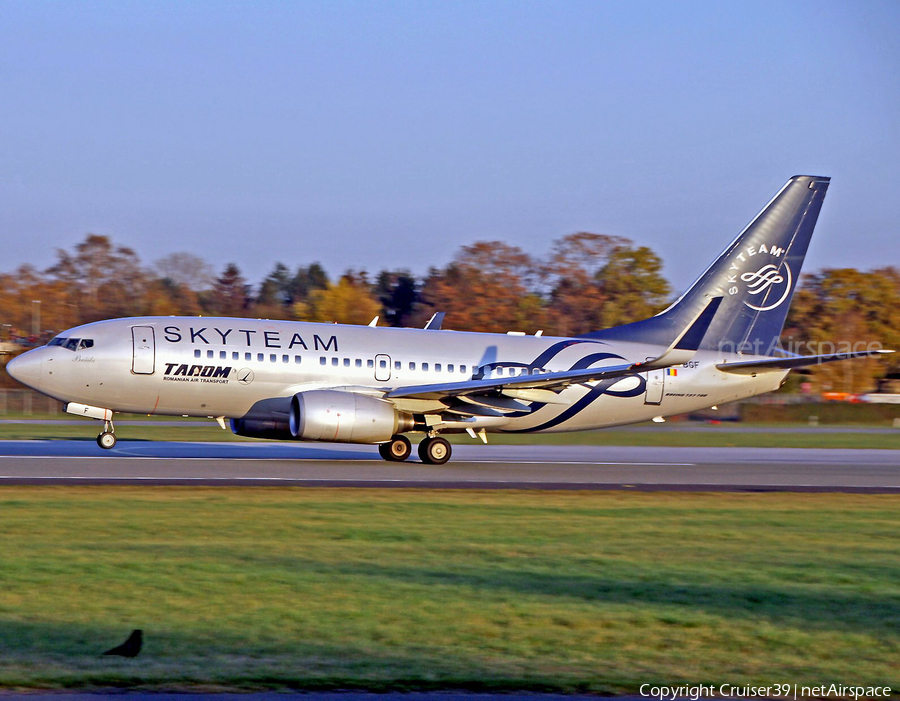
319	588
718	436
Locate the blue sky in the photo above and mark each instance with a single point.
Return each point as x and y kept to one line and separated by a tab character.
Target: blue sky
385	135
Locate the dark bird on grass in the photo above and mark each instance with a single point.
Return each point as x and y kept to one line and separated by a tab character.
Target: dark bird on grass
131	647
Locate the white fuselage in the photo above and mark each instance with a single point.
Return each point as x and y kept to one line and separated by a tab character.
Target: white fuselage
227	367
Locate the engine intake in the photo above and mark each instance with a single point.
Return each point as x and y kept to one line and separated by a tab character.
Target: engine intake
345	417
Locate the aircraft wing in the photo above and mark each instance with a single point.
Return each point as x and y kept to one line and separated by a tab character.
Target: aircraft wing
543	386
489	397
545	381
752	367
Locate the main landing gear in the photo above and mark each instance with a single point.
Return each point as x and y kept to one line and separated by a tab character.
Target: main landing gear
107	439
396	450
433	450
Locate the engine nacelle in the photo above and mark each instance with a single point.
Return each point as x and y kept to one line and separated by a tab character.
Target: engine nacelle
275	427
345	417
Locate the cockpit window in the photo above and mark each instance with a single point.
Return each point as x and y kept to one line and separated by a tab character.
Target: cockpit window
72	344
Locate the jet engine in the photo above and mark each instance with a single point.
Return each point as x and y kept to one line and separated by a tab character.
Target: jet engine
345	417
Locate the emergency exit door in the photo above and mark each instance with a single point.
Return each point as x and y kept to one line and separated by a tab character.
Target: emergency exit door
382	367
144	344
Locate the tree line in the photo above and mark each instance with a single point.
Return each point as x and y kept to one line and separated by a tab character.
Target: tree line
584	282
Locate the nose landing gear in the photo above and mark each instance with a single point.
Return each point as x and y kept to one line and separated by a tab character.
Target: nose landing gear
107	439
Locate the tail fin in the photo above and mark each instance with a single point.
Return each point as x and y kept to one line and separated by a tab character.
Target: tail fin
756	276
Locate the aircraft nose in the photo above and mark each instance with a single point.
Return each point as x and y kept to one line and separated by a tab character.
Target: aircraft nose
26	368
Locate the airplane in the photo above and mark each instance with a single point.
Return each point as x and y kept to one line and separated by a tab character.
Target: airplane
287	380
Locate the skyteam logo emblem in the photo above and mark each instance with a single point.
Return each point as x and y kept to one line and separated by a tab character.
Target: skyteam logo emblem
768	276
765	288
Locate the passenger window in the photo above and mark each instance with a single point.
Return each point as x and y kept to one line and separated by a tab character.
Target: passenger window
322	360
358	362
382	364
334	361
235	356
197	353
260	357
285	358
425	367
450	367
209	354
437	367
86	343
412	366
297	359
248	356
346	362
397	364
462	368
370	363
223	355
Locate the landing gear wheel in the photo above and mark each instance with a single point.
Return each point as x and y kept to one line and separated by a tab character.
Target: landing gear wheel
396	450
106	440
434	451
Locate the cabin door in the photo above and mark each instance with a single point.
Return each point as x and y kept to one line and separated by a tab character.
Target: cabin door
144	344
656	385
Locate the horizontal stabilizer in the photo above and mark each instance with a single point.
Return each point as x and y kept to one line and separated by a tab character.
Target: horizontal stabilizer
752	367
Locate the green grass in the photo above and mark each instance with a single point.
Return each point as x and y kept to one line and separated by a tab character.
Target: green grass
320	588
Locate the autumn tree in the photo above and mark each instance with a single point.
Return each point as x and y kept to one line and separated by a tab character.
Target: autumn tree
231	294
576	301
102	280
489	286
632	285
349	301
182	279
846	309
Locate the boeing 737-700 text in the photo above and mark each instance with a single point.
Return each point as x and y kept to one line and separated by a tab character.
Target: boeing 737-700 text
363	384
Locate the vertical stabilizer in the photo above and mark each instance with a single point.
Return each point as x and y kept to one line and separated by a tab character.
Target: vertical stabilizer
755	276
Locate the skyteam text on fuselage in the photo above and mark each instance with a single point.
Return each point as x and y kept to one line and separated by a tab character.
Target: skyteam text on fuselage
363	384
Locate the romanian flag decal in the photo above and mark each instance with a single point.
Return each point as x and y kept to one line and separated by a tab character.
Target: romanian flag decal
672	372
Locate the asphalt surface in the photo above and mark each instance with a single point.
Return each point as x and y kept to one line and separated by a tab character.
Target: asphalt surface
674	427
472	467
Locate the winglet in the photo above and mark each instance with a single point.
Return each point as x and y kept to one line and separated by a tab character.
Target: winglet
434	323
688	341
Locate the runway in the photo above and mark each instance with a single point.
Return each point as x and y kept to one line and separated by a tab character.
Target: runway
472	467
